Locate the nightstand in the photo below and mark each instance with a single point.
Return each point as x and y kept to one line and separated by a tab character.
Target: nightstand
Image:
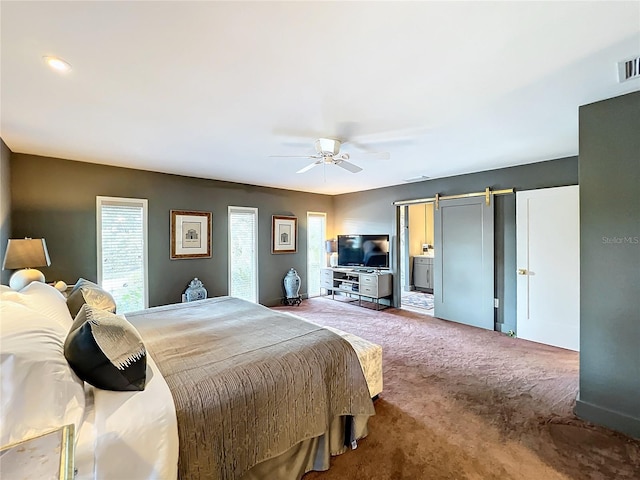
48	456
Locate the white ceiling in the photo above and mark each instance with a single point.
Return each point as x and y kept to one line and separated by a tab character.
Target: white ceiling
211	89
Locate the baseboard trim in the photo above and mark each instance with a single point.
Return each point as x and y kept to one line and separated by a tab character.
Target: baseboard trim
608	418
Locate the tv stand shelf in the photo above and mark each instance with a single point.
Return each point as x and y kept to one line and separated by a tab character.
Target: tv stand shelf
357	283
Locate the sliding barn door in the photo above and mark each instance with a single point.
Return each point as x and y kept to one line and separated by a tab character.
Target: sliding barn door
463	263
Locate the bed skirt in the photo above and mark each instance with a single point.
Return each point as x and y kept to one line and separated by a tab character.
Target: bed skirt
309	455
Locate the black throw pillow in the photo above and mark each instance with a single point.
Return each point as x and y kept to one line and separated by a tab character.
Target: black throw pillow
106	351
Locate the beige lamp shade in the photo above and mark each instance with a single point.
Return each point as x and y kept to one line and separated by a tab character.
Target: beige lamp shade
25	254
332	248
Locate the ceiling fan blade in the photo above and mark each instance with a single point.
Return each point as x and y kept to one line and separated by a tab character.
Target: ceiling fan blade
379	155
296	137
346	130
348	166
309	167
406	136
353	145
372	156
294	156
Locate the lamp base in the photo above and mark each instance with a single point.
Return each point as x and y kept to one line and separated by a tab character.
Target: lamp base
22	278
333	259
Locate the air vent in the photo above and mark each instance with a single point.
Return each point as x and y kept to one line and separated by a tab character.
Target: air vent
629	69
421	178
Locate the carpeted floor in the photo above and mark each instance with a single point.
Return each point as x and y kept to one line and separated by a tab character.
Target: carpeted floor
464	403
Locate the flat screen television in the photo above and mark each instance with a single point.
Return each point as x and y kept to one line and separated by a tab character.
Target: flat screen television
363	251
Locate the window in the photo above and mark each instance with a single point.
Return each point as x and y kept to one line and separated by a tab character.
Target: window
122	251
316	253
243	253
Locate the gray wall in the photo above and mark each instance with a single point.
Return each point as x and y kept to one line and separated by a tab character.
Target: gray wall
610	263
5	205
372	212
56	199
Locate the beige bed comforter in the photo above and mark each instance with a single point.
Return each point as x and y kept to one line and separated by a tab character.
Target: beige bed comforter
248	382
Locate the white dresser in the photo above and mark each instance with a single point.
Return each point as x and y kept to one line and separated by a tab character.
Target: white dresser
357	283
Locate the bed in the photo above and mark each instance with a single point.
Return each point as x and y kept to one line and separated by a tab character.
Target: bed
234	390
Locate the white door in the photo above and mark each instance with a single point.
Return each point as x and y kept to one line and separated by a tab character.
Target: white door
316	254
548	262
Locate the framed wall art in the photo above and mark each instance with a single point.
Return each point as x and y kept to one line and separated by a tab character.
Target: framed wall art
284	234
190	234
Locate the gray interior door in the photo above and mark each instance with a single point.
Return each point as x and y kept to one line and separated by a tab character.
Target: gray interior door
463	263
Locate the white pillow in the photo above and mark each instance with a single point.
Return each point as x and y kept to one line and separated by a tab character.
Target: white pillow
43	299
39	391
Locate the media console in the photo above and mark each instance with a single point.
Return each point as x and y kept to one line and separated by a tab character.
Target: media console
357	282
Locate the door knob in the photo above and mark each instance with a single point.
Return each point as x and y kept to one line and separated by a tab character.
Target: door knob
522	271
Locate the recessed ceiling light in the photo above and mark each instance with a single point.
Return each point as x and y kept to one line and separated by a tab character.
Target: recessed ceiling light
58	64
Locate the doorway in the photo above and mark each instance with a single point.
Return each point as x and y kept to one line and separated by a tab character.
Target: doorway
416	257
464	258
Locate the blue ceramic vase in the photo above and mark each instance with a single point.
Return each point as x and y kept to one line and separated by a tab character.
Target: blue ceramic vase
292	284
195	291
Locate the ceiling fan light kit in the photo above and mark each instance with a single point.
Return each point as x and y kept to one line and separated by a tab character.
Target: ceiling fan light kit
327	146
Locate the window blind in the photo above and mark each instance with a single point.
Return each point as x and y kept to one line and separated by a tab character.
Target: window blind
316	254
243	275
122	253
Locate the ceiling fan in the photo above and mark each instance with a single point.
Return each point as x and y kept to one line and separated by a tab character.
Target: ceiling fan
328	153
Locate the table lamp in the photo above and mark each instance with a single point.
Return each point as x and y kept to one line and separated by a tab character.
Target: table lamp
24	254
332	248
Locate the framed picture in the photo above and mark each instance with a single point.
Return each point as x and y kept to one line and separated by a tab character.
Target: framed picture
190	234
284	233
